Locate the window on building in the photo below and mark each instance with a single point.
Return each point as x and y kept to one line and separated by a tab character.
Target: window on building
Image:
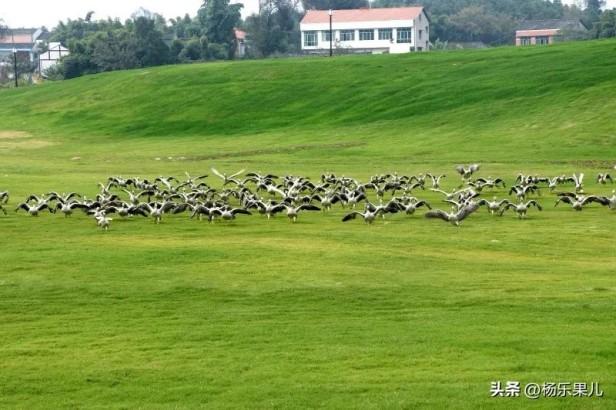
366	35
420	32
385	34
325	36
542	40
347	35
310	38
525	41
404	35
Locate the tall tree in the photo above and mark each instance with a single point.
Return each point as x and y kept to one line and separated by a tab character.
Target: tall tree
218	19
606	27
593	11
150	49
274	29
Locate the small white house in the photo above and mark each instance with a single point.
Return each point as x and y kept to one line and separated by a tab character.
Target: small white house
382	30
51	57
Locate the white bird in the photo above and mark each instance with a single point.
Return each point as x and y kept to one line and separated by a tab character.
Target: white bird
157	209
228	213
34	210
578	180
603	178
293	211
467	171
436	179
410	207
455	217
228	178
368	215
67	207
103	221
494	205
522	208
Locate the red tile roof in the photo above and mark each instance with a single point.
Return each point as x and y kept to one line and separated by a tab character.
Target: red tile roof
533	33
349	16
239	34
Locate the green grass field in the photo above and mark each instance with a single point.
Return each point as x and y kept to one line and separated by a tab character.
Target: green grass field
406	313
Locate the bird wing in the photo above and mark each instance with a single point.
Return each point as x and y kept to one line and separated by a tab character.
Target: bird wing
218	174
179	209
350	216
23	206
278	208
237	173
564	199
422	203
309	207
437	213
599	199
78	205
466	211
439	191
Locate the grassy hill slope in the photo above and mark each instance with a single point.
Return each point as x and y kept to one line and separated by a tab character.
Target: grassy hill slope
407	313
524	99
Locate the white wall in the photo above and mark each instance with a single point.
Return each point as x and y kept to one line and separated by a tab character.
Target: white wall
51	57
391	46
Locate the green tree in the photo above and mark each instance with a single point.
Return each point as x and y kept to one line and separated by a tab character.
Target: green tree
150	49
274	29
592	12
606	27
218	18
473	23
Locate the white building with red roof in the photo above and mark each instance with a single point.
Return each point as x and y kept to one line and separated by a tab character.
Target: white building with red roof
382	30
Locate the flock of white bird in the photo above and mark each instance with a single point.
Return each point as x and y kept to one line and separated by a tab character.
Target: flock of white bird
269	195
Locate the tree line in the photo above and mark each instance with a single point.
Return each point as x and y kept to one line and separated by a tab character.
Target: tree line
148	39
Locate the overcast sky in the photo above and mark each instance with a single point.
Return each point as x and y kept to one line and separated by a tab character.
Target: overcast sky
35	13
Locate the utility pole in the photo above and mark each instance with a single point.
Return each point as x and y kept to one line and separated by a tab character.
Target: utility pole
14	58
15	66
331	12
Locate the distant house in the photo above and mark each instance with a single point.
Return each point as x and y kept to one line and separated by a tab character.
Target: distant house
240	43
51	57
540	32
379	30
23	40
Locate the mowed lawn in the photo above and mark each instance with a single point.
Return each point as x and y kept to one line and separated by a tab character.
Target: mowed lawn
406	313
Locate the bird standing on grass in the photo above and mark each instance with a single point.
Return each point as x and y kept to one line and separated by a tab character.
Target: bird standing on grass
368	215
522	208
493	206
603	178
34	210
454	217
293	211
103	221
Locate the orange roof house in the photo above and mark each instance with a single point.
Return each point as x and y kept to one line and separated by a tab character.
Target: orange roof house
543	32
